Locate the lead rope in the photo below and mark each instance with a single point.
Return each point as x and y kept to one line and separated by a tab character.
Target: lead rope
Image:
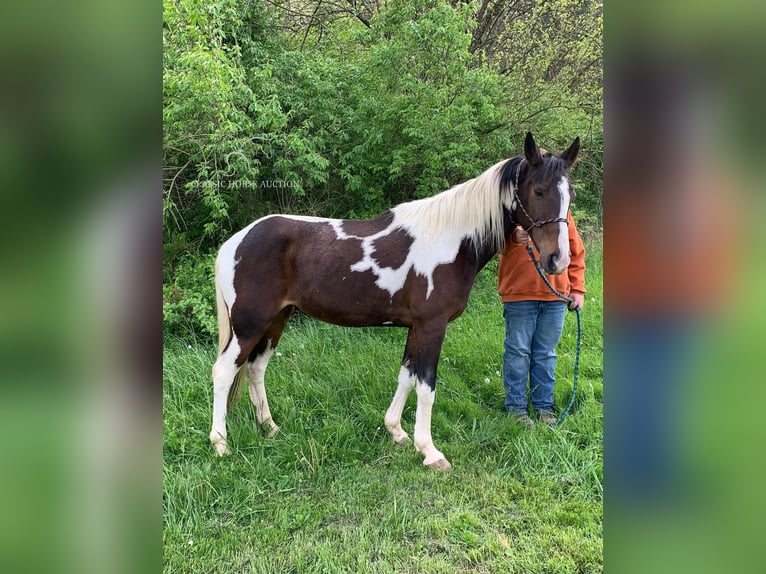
579	332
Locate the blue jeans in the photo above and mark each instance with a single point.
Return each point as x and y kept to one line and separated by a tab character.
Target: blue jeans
532	331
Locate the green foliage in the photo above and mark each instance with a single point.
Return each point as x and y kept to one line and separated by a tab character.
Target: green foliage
420	110
189	297
227	136
345	111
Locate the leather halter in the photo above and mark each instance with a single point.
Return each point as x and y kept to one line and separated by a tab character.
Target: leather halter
535	223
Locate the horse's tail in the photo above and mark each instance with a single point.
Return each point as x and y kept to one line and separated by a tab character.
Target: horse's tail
225	333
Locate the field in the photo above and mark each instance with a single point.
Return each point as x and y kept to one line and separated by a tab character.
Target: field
331	493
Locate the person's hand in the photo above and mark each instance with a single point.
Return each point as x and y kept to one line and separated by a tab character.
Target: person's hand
519	235
578	299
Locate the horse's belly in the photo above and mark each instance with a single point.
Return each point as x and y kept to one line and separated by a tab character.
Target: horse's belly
353	300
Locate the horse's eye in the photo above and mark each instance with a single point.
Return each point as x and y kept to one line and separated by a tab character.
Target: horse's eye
538	191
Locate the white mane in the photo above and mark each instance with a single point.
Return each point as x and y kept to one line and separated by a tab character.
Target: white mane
473	208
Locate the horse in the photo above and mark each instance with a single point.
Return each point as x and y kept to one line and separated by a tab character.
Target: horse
413	267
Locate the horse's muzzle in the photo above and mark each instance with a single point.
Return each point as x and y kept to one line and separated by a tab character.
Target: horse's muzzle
554	264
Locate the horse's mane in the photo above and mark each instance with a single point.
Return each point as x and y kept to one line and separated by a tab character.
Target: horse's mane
473	208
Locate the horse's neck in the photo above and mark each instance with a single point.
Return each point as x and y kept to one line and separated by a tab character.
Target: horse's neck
484	255
486	252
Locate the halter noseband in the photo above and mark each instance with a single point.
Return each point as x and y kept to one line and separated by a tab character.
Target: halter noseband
535	223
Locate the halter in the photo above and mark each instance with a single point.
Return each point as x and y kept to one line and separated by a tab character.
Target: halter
516	197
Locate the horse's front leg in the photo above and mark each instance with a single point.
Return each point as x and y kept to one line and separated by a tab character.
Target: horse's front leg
433	458
424	358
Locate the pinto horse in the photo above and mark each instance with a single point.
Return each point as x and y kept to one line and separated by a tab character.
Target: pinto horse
411	267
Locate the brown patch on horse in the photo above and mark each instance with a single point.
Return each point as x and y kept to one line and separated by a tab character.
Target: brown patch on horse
392	250
348	248
261	278
273	334
353	298
367	227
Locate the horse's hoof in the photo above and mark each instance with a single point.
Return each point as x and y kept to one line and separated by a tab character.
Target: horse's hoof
270	428
441	465
222	449
403	442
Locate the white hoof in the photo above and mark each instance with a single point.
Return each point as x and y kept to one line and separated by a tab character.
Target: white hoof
221	448
270	428
441	465
403	441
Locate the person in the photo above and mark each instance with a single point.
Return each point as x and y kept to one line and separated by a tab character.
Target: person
534	320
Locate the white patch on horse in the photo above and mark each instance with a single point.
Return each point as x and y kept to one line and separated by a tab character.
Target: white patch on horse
226	263
256	371
423	441
224	371
307	218
425	254
337	226
393	418
563	187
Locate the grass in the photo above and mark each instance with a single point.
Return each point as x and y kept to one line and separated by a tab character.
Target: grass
331	493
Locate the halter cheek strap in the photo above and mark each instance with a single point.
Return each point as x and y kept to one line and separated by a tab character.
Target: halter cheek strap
535	223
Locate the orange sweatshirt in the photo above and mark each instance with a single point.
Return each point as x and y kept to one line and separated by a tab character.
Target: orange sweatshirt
518	279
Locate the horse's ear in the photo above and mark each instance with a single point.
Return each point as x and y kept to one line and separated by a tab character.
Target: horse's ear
530	150
570	155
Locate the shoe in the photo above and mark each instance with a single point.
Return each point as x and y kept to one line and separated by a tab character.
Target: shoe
547	418
525	421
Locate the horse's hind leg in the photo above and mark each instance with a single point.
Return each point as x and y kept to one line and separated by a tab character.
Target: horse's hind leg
257	363
225	370
256	370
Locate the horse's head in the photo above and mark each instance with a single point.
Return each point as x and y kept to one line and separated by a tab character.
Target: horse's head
541	200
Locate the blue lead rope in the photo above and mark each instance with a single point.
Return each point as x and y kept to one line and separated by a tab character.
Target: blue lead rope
579	331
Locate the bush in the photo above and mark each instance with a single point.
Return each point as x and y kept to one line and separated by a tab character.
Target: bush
189	297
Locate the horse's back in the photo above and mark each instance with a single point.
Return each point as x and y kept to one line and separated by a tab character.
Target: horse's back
349	272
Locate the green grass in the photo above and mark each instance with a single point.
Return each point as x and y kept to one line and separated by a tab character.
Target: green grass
331	493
